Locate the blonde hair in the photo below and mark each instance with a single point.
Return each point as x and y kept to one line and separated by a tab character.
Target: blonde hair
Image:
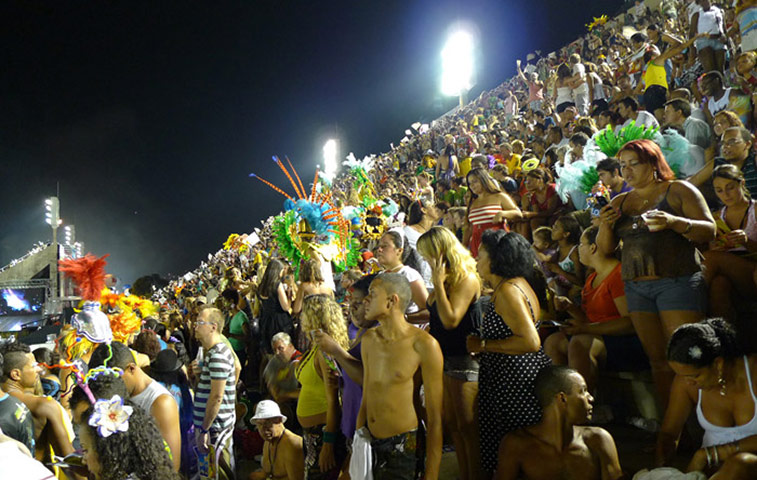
322	312
440	241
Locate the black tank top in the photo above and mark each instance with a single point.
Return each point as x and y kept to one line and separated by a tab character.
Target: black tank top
664	254
452	342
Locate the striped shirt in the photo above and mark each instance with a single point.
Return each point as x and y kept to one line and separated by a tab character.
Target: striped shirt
218	364
484	215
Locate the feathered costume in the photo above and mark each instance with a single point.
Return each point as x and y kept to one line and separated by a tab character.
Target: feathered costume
576	180
311	222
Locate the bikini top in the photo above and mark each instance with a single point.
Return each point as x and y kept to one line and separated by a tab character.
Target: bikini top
717	435
567	264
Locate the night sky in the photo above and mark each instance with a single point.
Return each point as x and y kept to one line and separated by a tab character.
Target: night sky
150	115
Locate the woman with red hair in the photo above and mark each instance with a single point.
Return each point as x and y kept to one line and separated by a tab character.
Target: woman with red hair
659	222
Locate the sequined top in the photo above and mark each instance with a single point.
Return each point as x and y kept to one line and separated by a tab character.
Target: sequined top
654	254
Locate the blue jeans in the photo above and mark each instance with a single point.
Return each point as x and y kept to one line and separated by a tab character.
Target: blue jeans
687	293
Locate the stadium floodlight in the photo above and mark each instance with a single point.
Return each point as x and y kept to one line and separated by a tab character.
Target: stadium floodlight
457	64
330	164
70	232
52	212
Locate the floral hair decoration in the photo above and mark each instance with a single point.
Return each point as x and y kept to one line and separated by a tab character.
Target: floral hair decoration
110	416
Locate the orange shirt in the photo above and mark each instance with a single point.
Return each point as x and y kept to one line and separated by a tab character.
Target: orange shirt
599	303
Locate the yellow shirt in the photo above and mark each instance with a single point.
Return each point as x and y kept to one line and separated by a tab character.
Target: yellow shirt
465	166
513	164
655	75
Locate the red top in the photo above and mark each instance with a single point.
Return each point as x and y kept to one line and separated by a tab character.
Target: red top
544	206
599	303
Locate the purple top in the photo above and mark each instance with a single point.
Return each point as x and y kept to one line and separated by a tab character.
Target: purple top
352	393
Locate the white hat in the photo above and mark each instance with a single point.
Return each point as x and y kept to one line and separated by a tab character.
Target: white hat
268	409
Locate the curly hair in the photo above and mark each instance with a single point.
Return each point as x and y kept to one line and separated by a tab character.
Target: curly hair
699	344
139	451
511	256
147	342
441	241
322	311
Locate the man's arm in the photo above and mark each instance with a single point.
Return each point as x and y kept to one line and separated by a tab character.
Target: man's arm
601	443
165	411
48	408
431	370
215	399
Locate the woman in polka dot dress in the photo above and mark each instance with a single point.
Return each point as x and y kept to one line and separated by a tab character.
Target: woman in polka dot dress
510	350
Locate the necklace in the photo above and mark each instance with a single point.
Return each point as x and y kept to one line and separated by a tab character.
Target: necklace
395	269
272	460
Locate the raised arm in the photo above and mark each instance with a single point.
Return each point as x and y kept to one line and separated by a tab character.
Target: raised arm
453	305
512	307
283	298
696	222
606	241
352	366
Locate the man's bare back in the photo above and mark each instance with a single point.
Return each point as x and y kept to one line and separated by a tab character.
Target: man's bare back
538	460
557	447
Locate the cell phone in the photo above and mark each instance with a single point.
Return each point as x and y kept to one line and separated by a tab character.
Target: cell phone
602	201
552	324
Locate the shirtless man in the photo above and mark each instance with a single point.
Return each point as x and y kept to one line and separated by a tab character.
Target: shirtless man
556	447
282	452
397	358
19	379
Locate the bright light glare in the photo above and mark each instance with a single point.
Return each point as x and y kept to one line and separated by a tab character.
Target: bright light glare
329	159
457	63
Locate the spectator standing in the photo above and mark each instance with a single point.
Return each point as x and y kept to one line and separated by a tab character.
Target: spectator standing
659	217
510	350
215	393
454	314
489	208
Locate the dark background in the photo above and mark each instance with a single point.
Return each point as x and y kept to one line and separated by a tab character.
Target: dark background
150	115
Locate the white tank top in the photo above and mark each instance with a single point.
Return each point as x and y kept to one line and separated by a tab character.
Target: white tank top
716	435
148	396
564	95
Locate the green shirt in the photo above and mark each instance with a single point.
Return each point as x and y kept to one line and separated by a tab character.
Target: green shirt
236	327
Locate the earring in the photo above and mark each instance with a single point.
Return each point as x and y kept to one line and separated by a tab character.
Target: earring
721	382
655	175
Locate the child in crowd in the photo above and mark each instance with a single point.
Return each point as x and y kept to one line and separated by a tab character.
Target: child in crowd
570	273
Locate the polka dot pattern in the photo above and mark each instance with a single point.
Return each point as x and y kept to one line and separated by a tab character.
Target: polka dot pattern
506	384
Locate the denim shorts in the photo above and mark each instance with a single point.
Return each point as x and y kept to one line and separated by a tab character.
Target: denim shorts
701	43
687	293
461	367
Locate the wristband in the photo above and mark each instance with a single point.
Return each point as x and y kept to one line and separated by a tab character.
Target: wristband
203	430
329	437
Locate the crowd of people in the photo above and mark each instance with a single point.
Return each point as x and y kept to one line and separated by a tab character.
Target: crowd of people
484	296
